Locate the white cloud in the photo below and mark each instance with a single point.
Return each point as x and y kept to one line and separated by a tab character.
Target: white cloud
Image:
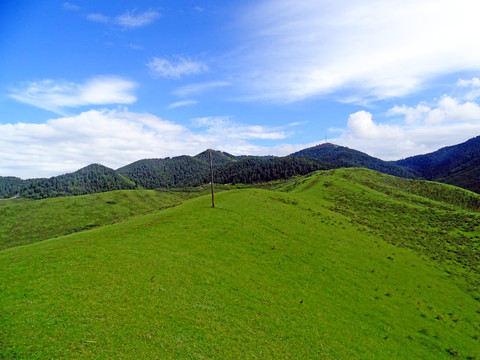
222	127
55	95
132	20
473	85
176	69
361	125
199	88
447	110
70	6
128	20
116	138
425	129
412	114
475	82
182	103
97	17
361	50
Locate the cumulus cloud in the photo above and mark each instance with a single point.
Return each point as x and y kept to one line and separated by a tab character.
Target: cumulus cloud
360	50
473	87
176	69
424	129
361	126
412	114
447	110
116	138
55	95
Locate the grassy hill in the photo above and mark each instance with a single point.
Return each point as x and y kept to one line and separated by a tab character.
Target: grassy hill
25	221
339	265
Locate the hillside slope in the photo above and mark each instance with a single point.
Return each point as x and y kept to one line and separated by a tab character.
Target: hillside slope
433	219
10	186
457	165
94	178
293	273
25	221
180	171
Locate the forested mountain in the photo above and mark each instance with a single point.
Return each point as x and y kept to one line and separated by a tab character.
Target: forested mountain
218	157
9	186
457	165
180	171
258	169
184	171
340	156
90	179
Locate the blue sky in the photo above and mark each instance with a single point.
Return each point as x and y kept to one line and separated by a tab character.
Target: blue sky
86	82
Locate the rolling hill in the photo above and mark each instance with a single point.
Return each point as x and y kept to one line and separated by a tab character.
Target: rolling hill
341	264
26	221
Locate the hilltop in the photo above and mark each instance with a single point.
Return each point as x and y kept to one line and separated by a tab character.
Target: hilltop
341	264
341	156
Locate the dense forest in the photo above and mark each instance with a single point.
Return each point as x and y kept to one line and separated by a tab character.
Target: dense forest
181	171
10	186
256	169
456	165
91	179
185	171
177	172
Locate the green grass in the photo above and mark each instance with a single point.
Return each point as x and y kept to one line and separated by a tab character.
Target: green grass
27	221
389	207
267	274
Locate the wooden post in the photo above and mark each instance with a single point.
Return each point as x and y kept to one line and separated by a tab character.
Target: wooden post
211	177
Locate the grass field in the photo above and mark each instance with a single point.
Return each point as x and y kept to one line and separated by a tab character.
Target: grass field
323	267
25	221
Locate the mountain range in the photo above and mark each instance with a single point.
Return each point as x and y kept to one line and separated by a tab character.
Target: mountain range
457	165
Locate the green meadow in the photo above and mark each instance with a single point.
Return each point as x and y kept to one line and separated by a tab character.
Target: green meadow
24	221
342	264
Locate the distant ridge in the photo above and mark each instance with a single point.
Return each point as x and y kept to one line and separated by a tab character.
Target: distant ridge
457	165
341	156
187	171
93	178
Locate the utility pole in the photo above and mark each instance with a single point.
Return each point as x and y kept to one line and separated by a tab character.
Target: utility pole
211	177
